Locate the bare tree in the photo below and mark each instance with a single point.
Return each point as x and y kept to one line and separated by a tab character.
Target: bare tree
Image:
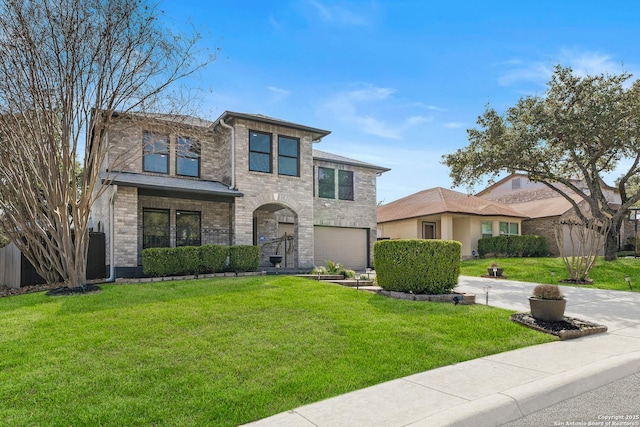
67	67
579	242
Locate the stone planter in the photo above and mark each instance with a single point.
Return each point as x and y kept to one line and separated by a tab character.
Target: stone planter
548	310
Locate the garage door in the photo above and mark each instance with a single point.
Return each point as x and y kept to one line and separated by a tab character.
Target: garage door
348	246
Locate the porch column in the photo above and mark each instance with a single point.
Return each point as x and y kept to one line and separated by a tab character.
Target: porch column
446	226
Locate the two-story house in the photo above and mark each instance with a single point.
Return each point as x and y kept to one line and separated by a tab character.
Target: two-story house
241	179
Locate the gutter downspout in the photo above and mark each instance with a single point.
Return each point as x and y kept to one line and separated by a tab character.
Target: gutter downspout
112	268
233	153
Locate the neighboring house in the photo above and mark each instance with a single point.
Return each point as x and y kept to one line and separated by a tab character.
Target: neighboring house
439	213
544	207
242	179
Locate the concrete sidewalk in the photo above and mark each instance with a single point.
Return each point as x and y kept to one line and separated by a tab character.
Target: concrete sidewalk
500	388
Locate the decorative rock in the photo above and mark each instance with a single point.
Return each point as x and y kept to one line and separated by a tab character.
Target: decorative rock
467	299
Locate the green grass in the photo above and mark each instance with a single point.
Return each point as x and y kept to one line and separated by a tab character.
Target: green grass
222	351
605	274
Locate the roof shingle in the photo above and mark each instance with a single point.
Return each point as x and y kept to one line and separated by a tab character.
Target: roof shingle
441	200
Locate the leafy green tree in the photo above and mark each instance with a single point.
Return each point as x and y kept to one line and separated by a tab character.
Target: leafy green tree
67	68
583	127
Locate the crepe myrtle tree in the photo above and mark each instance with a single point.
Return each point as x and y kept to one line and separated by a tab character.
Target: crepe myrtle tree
582	127
67	68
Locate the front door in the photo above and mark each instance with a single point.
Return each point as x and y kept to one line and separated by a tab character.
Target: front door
428	230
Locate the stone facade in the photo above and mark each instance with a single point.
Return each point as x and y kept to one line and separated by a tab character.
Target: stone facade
261	207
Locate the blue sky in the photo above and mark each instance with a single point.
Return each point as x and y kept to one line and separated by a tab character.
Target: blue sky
398	82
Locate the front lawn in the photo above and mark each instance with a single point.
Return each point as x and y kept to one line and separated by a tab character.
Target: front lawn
605	274
222	351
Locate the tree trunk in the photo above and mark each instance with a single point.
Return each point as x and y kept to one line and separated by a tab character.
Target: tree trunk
78	277
611	241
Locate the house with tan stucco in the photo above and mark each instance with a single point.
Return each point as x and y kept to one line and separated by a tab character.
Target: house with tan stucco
439	213
242	179
511	206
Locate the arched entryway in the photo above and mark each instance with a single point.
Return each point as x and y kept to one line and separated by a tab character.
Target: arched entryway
275	232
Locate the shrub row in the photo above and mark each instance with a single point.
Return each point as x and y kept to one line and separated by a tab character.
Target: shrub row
419	266
199	259
244	258
513	246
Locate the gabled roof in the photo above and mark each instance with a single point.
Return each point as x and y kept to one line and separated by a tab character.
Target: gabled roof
542	208
439	201
315	132
329	157
523	175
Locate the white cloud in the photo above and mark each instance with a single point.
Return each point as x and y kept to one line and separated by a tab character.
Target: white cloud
518	71
535	72
338	15
454	125
278	94
584	63
416	120
363	107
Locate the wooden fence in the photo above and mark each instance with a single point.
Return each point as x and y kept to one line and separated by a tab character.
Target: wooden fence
17	271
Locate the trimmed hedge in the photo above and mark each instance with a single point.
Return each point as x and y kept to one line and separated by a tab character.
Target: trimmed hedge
213	258
513	246
197	259
244	258
419	266
160	262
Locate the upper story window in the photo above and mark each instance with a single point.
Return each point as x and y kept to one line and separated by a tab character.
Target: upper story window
515	184
155	152
509	229
187	157
259	152
288	156
345	185
187	228
326	183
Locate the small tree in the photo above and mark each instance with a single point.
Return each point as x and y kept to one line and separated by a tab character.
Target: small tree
67	67
579	242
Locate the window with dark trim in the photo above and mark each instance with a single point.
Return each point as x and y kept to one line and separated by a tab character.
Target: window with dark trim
288	156
155	152
259	152
326	183
345	185
155	228
187	228
187	157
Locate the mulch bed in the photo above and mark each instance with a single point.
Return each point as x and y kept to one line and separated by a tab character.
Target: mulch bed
567	328
577	282
86	289
52	290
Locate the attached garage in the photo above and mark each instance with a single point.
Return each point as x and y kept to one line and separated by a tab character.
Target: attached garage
348	246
